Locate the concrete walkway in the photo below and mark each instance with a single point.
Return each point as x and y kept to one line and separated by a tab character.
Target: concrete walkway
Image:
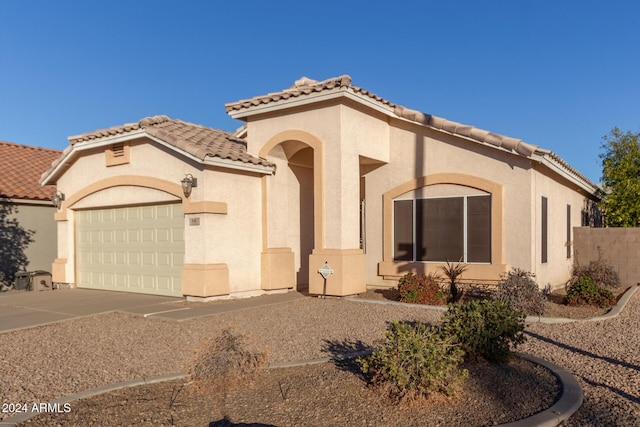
19	310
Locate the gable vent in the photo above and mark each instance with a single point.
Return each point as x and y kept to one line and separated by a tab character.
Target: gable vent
118	150
118	154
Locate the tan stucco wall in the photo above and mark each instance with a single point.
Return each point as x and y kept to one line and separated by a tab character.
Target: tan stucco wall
272	232
403	152
233	238
557	270
226	243
418	152
339	136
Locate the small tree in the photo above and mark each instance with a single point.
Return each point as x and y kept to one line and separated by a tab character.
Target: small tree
621	178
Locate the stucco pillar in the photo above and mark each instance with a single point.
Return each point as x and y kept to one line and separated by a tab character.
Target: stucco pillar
341	238
202	276
348	276
63	267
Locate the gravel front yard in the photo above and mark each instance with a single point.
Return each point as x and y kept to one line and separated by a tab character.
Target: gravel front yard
45	363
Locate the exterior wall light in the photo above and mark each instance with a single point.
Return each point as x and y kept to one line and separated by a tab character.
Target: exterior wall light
188	183
57	199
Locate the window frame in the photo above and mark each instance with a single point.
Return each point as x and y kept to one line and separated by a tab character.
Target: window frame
465	230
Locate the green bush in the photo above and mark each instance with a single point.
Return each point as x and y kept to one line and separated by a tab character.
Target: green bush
584	291
415	360
485	329
521	293
421	289
602	274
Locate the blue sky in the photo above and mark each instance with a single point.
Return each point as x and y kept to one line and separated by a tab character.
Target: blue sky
558	74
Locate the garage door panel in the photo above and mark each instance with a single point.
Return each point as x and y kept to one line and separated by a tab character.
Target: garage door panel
120	280
133	236
135	281
133	213
178	260
108	279
108	258
164	260
107	236
136	249
134	259
148	236
163	235
148	259
121	236
96	258
149	282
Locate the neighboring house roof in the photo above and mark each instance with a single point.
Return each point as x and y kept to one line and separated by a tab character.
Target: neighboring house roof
305	91
20	169
198	141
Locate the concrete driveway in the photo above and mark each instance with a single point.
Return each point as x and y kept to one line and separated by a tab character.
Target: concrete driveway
23	309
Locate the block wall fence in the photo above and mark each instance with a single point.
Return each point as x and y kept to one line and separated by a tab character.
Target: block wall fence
618	246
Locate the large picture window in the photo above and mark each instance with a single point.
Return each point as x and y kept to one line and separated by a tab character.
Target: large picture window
443	229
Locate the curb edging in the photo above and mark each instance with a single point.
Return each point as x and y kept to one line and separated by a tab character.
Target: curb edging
567	404
613	313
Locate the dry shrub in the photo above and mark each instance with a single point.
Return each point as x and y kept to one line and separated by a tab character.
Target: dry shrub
224	363
521	292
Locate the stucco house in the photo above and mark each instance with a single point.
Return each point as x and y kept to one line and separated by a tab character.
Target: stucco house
321	172
28	232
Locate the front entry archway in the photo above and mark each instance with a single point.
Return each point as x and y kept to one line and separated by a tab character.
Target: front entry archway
291	205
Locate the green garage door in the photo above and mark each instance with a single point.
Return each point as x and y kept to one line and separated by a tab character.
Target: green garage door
131	249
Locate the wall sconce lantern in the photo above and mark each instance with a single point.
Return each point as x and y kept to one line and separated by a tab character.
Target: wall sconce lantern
188	183
57	199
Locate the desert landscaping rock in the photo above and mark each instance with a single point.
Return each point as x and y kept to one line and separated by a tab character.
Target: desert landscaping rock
49	362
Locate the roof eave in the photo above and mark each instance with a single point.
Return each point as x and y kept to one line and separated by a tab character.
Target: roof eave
28	201
238	165
544	158
78	147
48	178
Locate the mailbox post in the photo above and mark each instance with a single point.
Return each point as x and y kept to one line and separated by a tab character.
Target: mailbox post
325	271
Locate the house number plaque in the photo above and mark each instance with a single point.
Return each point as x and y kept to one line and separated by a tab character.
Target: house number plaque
325	271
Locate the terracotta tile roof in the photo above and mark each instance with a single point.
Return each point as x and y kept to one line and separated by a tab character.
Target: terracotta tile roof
480	135
303	87
20	169
197	140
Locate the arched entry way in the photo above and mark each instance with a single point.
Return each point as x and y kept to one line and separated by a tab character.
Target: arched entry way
292	207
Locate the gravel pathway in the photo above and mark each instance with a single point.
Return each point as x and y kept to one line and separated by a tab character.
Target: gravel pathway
44	363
